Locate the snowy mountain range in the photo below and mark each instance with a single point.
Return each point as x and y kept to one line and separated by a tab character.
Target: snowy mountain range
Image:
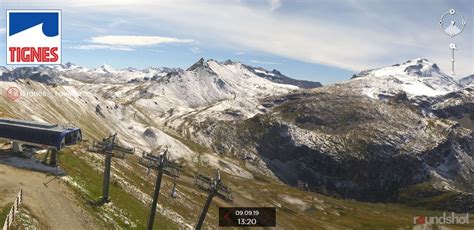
368	138
107	74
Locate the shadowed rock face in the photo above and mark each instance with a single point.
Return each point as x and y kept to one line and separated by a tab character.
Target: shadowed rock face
466	81
347	145
277	77
372	178
457	106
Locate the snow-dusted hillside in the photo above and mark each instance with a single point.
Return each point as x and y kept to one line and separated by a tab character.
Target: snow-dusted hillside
467	81
143	106
415	77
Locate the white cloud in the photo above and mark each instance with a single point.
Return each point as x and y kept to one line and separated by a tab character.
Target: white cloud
2	30
95	47
157	51
239	53
136	40
195	50
383	36
348	34
89	3
128	43
265	62
274	4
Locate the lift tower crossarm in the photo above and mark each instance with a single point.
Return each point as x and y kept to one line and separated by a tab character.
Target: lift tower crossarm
161	164
215	187
110	148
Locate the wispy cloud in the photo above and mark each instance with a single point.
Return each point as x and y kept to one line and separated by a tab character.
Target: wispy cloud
128	43
265	62
136	40
2	30
274	4
195	50
239	53
96	47
384	36
327	32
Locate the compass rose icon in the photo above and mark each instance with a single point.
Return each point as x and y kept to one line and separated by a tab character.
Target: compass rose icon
452	22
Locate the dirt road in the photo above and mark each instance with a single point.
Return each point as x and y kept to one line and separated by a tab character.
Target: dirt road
55	205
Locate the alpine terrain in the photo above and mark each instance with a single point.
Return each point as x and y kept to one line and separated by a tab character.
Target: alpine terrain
375	150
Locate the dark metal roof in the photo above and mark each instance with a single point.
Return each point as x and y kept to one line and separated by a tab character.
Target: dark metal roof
48	135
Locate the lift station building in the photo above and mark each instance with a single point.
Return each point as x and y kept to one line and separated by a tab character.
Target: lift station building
43	135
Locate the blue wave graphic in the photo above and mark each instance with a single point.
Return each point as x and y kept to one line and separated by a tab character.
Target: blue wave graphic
20	21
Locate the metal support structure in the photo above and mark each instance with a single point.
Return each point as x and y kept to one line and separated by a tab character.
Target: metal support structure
110	148
17	148
205	209
151	218
106	181
53	160
51	157
215	187
162	165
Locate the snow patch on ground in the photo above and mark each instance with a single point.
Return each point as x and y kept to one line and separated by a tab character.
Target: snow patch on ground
226	166
294	201
31	164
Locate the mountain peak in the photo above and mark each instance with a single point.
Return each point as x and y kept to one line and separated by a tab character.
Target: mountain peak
201	63
415	77
230	62
418	67
68	65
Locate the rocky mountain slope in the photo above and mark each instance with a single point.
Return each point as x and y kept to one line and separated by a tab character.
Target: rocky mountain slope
467	81
339	143
148	112
342	140
277	77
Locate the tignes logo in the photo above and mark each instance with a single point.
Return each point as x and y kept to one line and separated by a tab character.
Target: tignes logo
33	37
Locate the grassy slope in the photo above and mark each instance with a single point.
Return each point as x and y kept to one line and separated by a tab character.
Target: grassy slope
336	213
4	212
91	181
319	210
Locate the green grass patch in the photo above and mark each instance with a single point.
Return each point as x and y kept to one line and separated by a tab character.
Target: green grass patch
4	212
91	180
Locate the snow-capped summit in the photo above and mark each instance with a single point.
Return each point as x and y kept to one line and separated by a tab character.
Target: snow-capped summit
415	77
202	68
212	86
417	67
105	69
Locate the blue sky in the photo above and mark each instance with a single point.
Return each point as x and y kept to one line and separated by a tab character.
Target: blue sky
320	40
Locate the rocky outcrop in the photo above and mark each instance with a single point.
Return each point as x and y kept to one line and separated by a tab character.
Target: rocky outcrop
347	145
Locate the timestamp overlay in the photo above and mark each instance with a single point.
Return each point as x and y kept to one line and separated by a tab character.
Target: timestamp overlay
247	217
